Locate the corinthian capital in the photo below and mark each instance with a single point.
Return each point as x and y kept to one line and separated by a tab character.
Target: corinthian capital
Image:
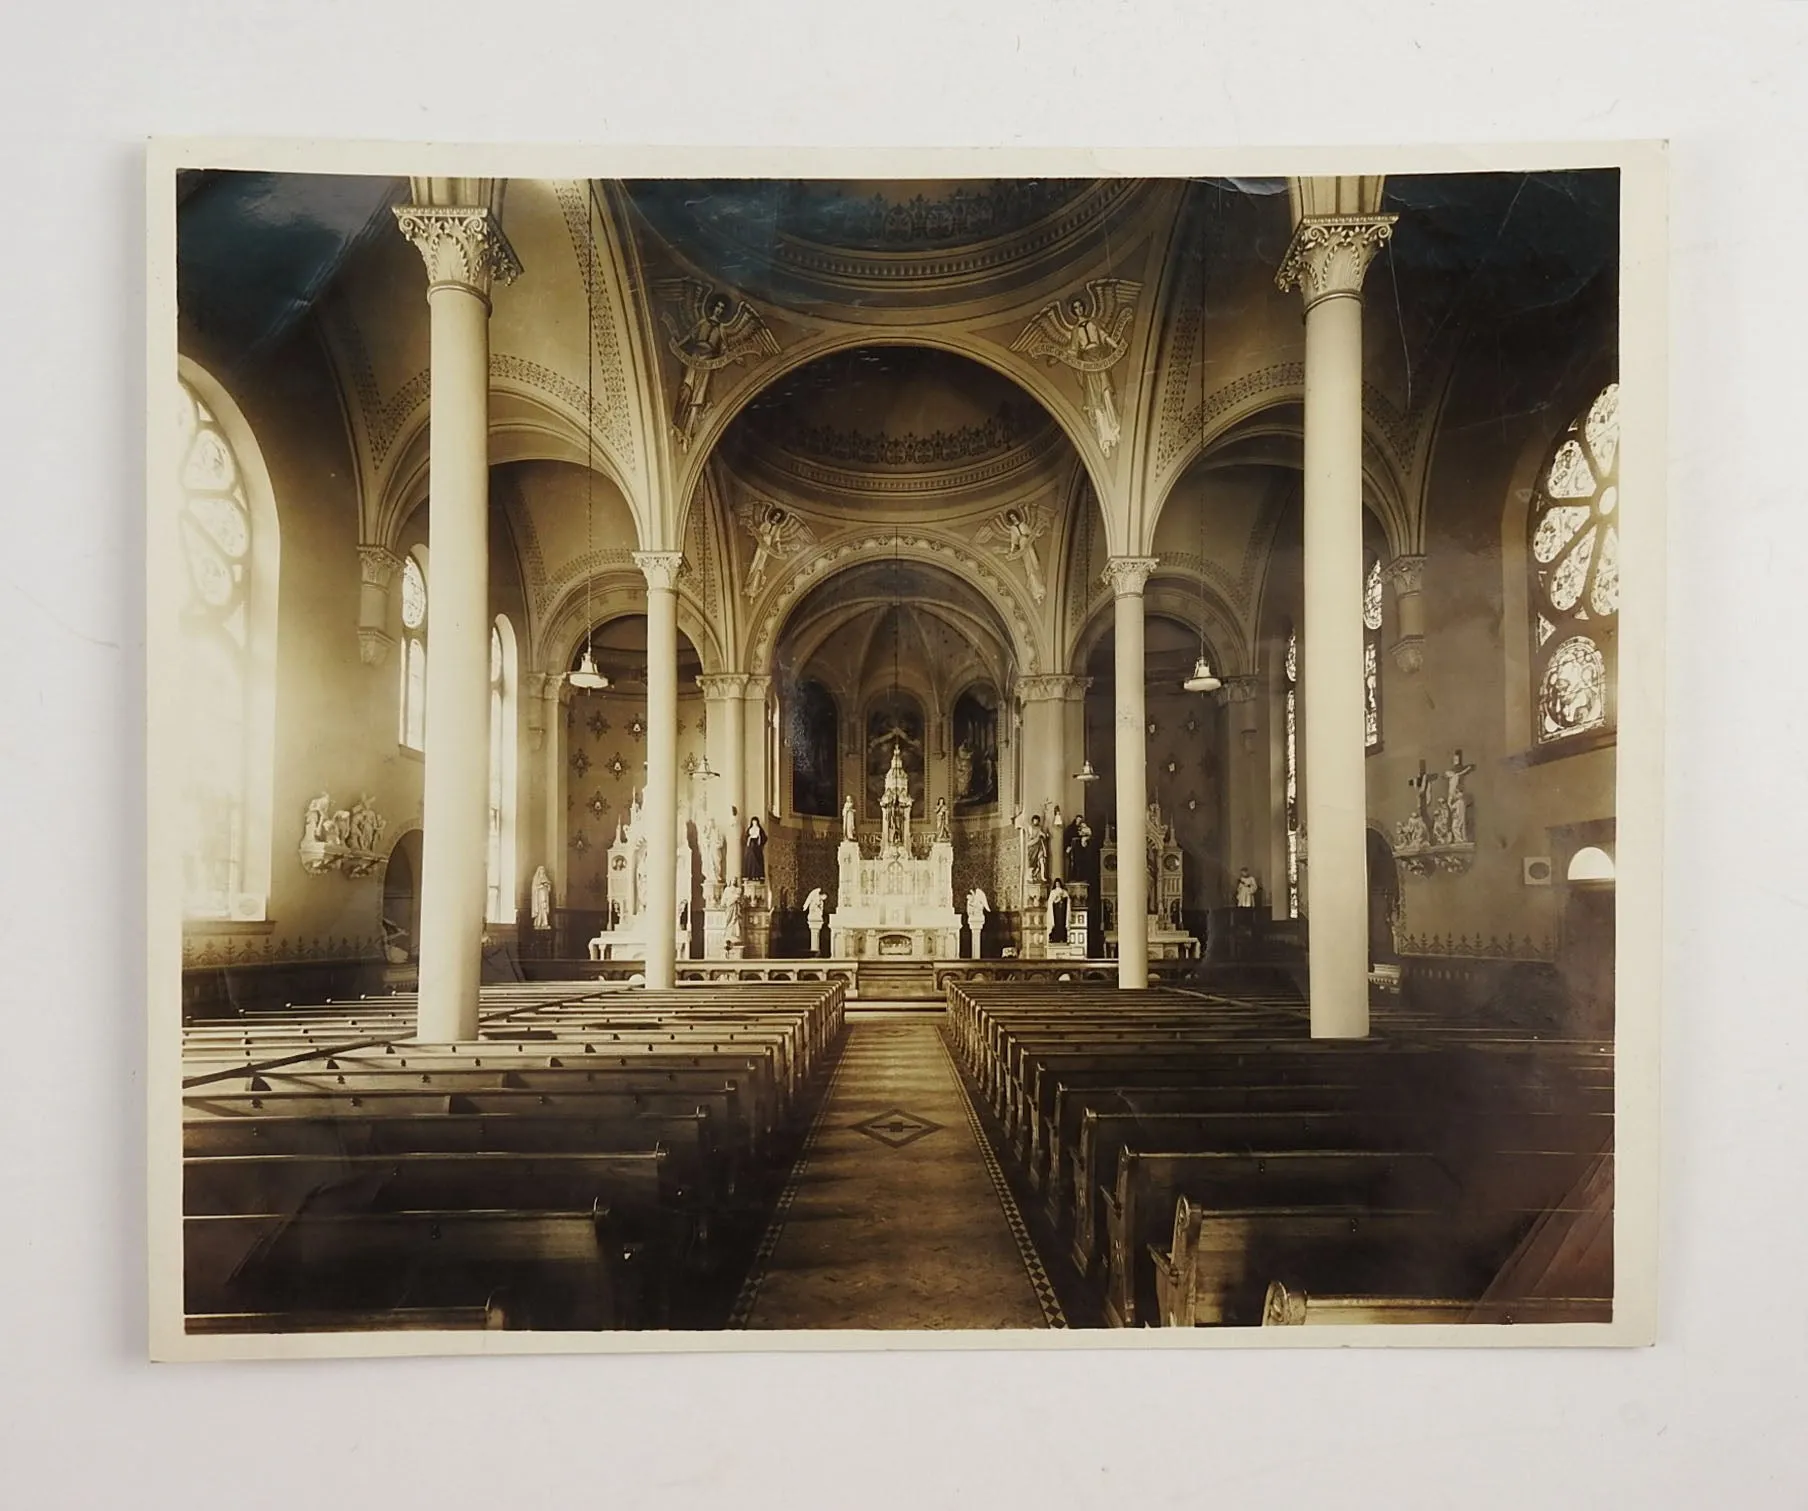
1330	254
660	568
1407	574
377	566
1051	688
1128	575
462	245
721	685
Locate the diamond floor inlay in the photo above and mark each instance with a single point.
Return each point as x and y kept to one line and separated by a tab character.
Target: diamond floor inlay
897	1128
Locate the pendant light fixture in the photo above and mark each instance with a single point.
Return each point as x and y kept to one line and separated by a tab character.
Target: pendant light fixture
587	677
1203	680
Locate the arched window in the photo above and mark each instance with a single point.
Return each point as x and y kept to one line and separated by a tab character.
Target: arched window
1290	670
228	538
1371	655
413	732
1574	592
815	751
499	865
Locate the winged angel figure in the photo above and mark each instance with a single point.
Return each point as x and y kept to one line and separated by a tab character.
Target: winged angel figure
1017	531
1090	335
778	535
706	329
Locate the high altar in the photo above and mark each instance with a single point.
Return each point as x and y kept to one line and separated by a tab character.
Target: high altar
897	903
1168	937
625	936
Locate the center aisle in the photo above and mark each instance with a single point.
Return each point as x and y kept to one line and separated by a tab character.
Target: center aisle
895	1215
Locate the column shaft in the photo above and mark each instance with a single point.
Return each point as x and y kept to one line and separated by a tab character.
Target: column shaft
1332	679
455	796
1128	576
661	804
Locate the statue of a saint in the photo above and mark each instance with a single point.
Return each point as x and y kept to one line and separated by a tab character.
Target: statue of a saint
1035	851
710	847
815	906
963	769
943	833
1057	914
753	852
847	817
1246	888
733	928
315	820
541	899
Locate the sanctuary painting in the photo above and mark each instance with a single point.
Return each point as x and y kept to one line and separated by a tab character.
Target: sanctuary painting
1062	743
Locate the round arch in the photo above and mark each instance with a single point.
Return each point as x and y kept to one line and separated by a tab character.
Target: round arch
1168	598
620	595
1023	376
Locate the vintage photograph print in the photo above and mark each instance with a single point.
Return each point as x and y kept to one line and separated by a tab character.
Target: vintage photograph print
957	755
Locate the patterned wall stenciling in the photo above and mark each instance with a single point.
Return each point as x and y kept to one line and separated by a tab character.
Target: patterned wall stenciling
606	765
1476	947
200	950
611	374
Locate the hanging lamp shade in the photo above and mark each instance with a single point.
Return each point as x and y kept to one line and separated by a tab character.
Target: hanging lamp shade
1203	679
587	676
1086	773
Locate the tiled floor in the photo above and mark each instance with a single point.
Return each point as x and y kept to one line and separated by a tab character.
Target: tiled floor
892	1218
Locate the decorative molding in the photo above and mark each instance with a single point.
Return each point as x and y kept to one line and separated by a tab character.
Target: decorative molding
1239	690
718	686
1409	654
204	949
616	407
1129	575
1465	947
1012	427
462	245
660	568
906	484
1330	255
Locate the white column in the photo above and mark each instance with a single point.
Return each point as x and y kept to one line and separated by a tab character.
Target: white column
1128	575
377	567
725	696
661	802
756	746
463	249
1328	257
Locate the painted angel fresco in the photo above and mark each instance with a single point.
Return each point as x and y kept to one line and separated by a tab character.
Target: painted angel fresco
706	330
1090	334
1016	531
778	535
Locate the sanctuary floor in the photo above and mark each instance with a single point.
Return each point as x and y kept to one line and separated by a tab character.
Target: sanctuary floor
896	1214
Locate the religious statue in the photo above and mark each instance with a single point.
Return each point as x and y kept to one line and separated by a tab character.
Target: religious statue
753	852
963	769
706	330
710	846
734	933
815	906
366	826
1246	888
1018	530
777	535
314	821
540	894
1079	846
1057	914
943	833
977	908
1415	831
1456	801
847	817
1090	336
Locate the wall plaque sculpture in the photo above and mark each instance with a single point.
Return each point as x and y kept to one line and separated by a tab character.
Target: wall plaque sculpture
1439	834
345	840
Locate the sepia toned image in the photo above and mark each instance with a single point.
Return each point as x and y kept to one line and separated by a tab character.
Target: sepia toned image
757	759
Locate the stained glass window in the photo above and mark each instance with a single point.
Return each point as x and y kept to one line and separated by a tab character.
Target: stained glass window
1371	655
1574	550
1291	773
413	731
215	526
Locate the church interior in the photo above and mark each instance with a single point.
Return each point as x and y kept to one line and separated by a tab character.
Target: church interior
813	754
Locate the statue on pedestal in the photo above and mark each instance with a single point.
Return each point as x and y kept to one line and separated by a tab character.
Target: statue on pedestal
977	908
711	849
753	852
847	817
815	905
1057	914
541	895
943	833
1246	888
734	931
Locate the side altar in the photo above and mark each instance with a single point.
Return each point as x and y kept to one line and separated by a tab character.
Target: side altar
1163	864
897	903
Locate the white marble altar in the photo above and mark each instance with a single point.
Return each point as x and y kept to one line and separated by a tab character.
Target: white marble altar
897	903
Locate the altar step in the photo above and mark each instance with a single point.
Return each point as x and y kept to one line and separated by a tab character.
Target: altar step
897	981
